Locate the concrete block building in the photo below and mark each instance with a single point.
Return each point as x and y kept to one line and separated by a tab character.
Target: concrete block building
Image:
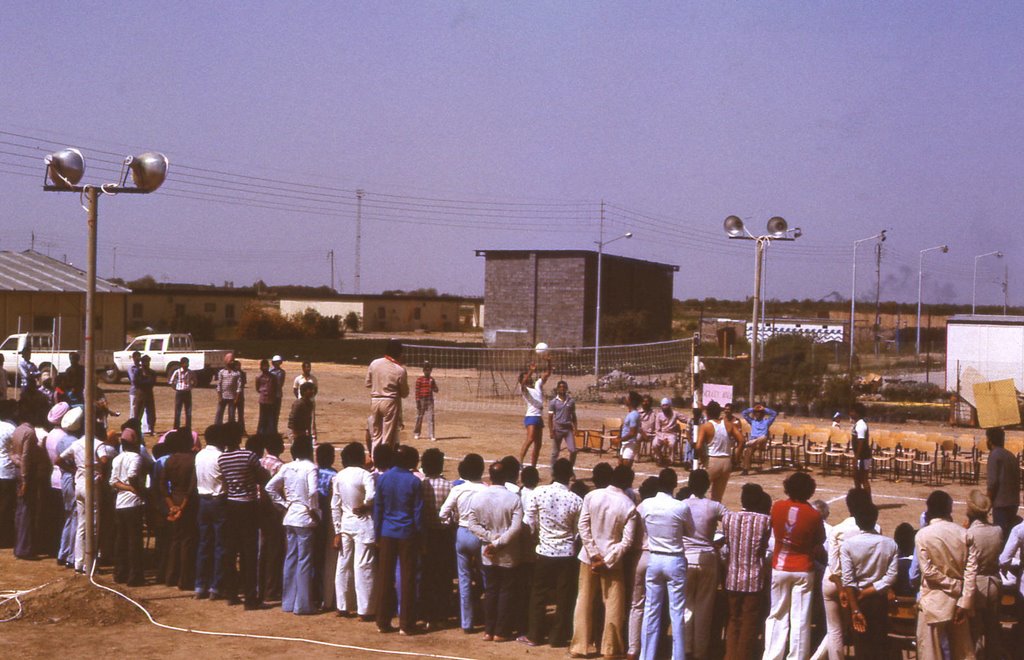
551	296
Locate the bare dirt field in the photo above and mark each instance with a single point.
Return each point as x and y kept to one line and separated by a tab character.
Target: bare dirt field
70	616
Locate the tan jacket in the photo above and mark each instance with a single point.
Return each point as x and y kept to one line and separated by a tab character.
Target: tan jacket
986	541
948	570
387	379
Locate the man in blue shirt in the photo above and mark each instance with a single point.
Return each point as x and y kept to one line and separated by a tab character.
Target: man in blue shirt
760	419
398	521
629	436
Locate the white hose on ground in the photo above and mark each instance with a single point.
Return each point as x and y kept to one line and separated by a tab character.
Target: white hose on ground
276	638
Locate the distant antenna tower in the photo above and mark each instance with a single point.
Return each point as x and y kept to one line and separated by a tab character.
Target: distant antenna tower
359	233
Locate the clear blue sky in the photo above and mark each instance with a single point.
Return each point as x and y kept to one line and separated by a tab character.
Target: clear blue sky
502	125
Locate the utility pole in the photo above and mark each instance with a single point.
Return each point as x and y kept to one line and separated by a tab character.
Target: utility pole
113	270
359	233
330	257
878	294
33	246
1006	287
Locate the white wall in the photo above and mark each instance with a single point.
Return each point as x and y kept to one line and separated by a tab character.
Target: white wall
995	351
324	307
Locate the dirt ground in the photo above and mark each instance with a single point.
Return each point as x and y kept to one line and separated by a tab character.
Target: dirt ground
71	616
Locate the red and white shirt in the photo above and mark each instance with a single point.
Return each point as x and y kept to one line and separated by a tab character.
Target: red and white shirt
799	535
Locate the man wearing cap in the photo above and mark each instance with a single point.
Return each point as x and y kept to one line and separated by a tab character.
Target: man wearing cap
277	373
389	384
667	424
74	457
760	419
57	441
985	541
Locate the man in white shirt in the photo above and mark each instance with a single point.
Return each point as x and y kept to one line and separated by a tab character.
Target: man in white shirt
552	515
701	565
183	380
293	488
8	472
607	527
832	643
869	563
212	517
667	521
468	554
127	480
496	518
352	509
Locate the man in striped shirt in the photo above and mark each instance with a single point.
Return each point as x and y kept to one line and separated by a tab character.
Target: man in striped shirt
746	533
438	543
242	476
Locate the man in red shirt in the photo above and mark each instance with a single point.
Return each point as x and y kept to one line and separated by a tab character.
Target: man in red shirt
426	386
799	540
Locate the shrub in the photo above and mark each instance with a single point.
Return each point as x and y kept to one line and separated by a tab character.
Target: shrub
258	322
916	392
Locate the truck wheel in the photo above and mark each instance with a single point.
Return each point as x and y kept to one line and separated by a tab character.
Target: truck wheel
171	368
112	376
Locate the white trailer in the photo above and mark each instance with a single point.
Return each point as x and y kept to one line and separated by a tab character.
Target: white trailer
981	348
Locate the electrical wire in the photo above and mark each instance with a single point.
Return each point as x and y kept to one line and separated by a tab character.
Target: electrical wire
15	595
277	638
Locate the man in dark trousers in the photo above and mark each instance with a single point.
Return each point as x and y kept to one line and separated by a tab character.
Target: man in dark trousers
398	523
1003	481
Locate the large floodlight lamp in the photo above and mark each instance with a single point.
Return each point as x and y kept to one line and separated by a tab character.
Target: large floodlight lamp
734	227
148	170
65	168
777	227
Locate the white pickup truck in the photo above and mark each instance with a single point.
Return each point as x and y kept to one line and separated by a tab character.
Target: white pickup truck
165	352
43	354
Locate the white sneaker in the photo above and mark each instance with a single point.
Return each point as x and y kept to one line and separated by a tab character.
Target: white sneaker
433	439
415	436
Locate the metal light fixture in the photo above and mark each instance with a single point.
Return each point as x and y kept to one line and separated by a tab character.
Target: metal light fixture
64	171
65	168
778	230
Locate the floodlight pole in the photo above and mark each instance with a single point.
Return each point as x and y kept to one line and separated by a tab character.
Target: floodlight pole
761	242
974	285
597	311
92	194
920	277
880	236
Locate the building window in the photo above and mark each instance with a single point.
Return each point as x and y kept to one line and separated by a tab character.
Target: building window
229	311
42	324
416	314
382	313
179	311
210	308
136	310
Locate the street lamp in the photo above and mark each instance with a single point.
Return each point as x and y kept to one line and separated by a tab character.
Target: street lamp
880	237
778	230
974	287
920	275
64	169
597	320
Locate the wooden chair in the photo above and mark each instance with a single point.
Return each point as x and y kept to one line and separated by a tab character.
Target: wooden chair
883	457
903	459
611	428
814	448
925	461
964	460
903	625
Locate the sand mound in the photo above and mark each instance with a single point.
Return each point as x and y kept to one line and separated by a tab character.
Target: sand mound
73	600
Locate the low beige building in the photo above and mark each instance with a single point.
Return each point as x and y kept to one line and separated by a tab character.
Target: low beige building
396	313
41	294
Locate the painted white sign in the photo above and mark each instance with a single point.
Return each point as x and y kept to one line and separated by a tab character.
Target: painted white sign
720	393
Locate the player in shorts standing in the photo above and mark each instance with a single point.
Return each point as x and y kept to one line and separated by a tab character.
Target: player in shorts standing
716	440
860	442
532	385
629	436
563	423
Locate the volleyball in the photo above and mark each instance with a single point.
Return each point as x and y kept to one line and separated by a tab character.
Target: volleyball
541	349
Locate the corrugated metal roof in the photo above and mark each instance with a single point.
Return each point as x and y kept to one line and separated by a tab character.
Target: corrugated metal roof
986	319
31	271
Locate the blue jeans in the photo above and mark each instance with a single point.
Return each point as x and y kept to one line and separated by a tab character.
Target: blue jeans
297	589
665	573
212	539
66	553
467	553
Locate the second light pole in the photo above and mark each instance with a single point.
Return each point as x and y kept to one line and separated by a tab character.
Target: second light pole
920	277
778	230
974	285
